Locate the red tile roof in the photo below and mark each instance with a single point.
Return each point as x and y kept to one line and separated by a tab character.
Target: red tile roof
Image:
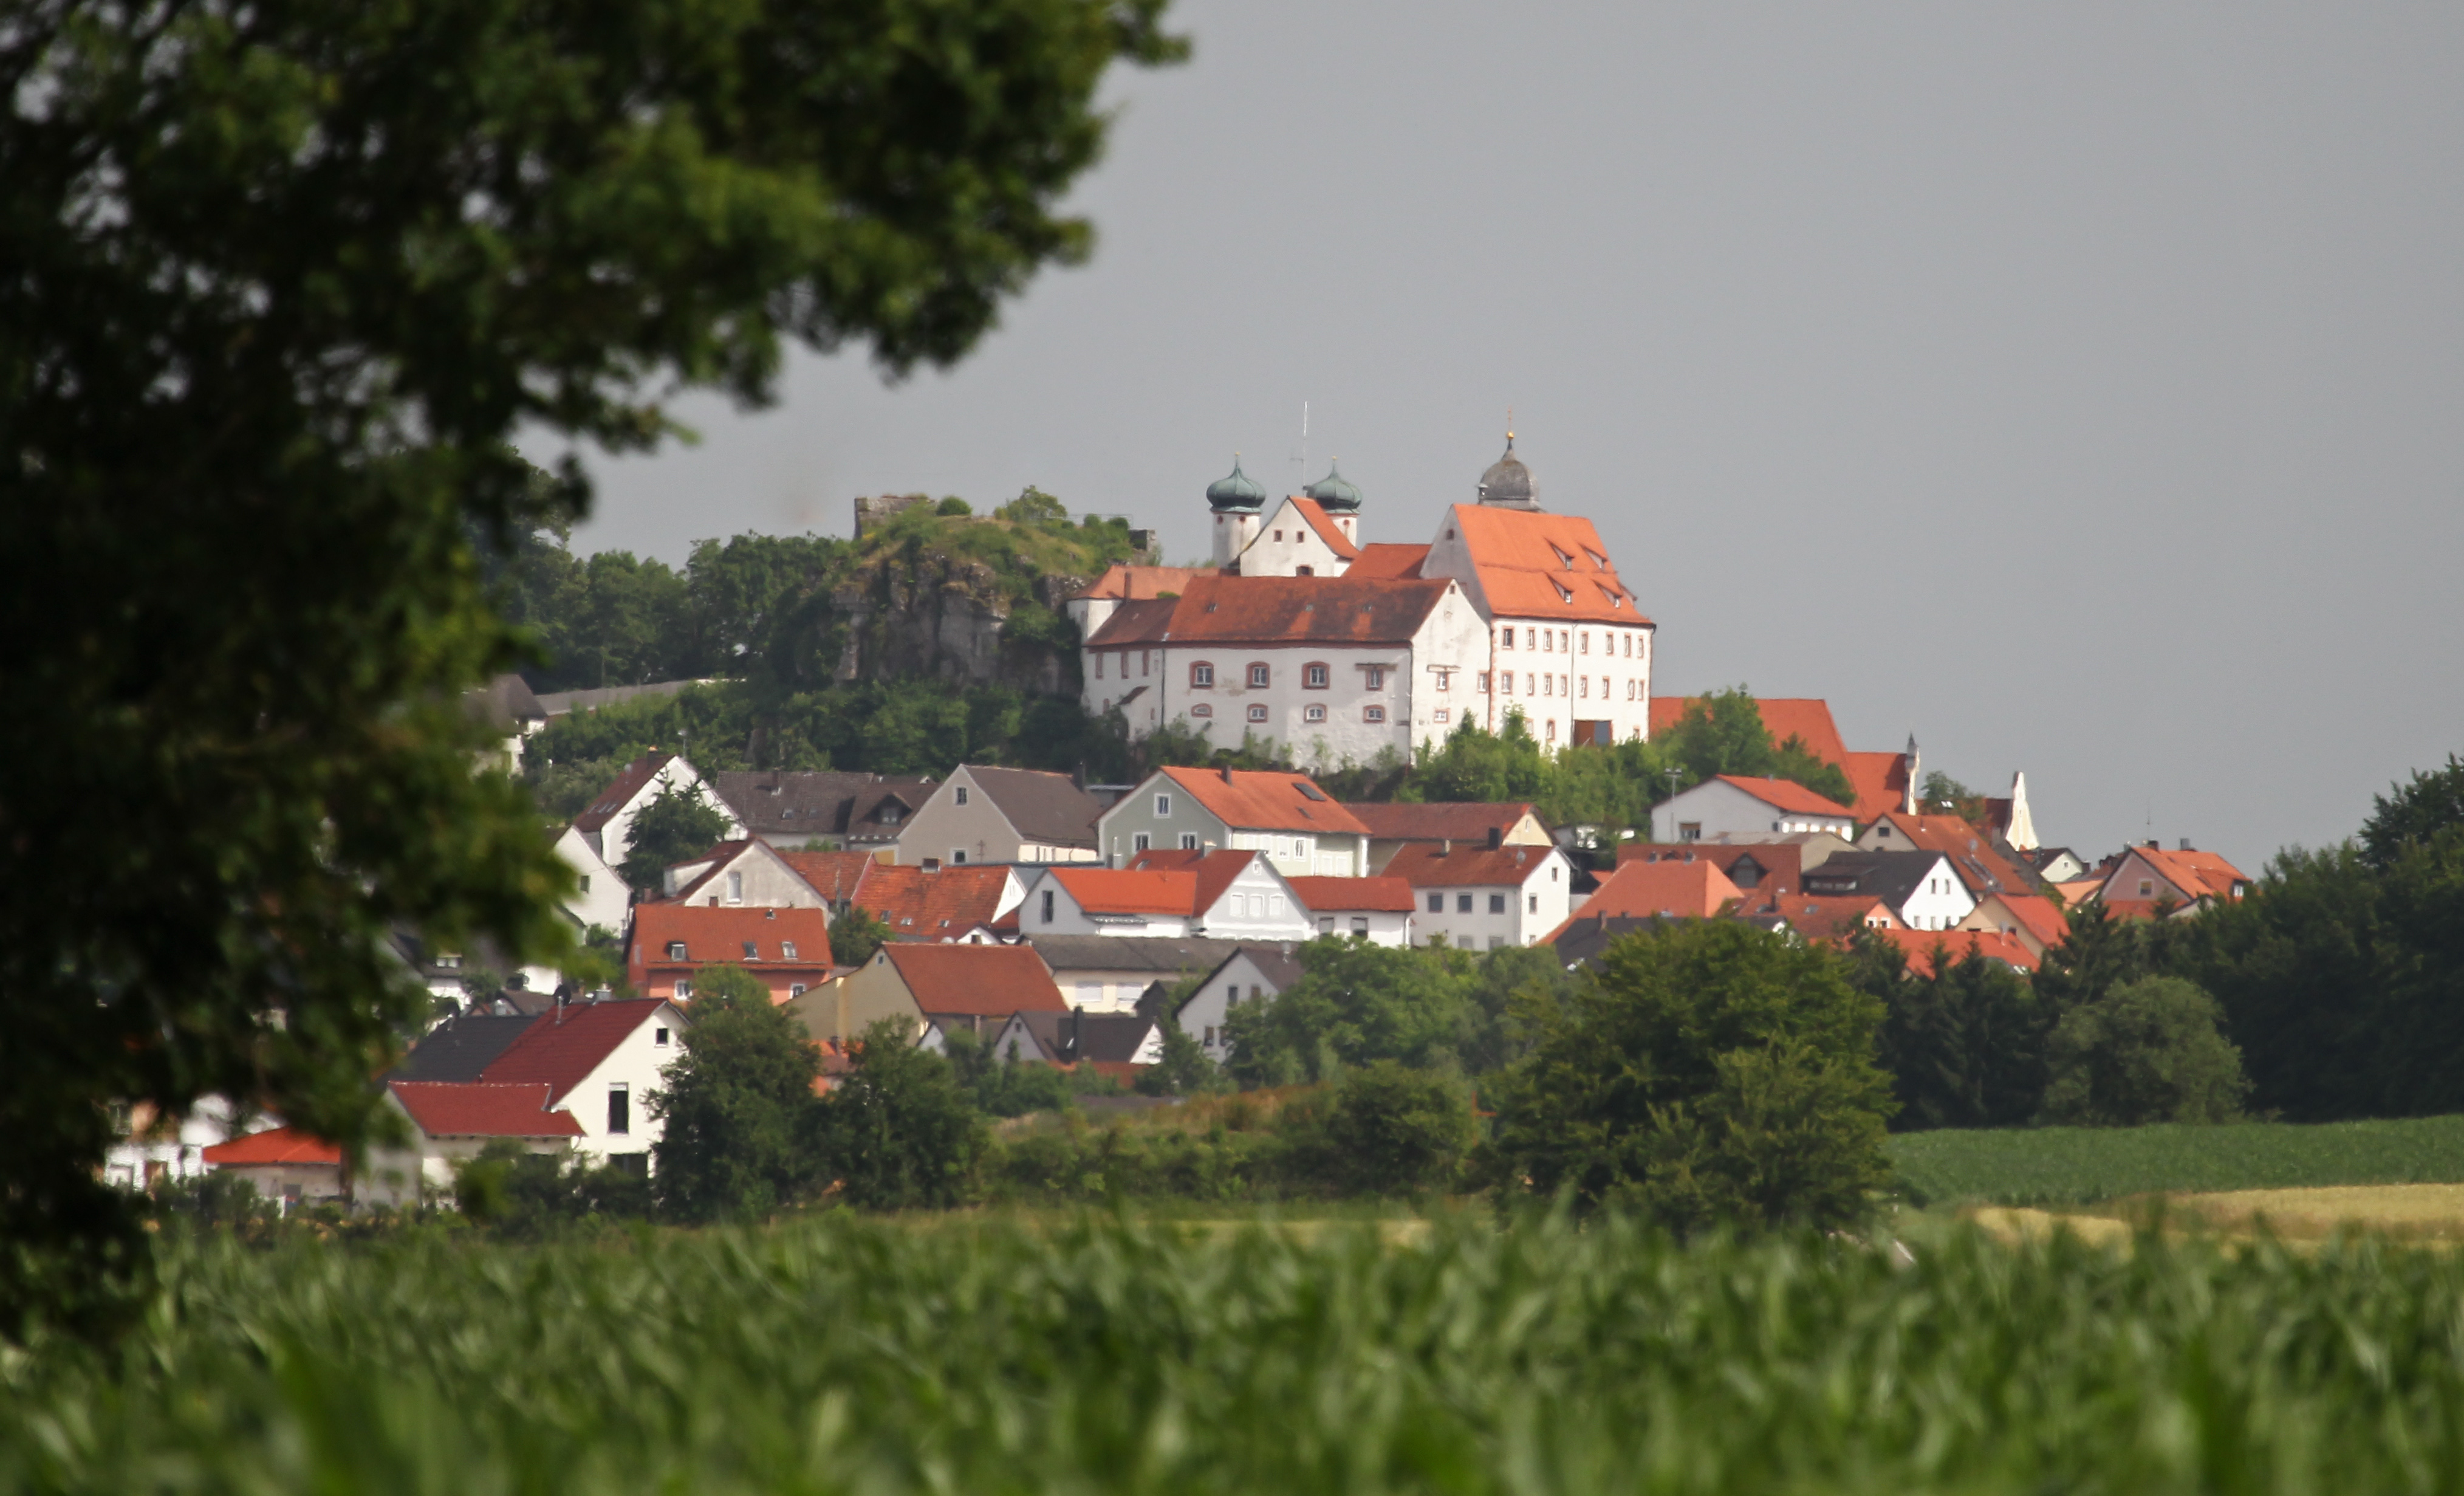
1783	863
627	785
1421	866
713	936
1254	799
1536	564
1122	891
1213	870
1833	915
1806	718
275	1145
2040	916
1459	820
2196	873
1386	896
1388	560
447	1109
1234	610
1788	796
835	876
563	1046
1993	944
1326	529
933	903
1970	850
1641	890
993	980
1881	780
1127	583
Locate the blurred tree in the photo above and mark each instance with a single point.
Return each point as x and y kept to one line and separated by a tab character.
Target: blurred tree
736	1109
2150	1051
899	1130
674	828
855	934
284	279
1355	1003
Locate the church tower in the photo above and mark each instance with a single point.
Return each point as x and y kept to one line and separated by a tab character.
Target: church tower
1508	483
1236	500
1340	499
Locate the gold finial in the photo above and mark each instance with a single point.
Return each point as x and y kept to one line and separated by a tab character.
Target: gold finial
1509	425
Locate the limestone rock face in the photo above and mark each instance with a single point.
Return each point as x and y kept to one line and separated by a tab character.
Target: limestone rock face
929	614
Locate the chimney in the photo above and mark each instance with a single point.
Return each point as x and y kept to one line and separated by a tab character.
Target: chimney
769	913
2186	844
1228	774
1496	837
2154	844
1447	846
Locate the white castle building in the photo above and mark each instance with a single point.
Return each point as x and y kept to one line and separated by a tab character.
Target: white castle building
1300	633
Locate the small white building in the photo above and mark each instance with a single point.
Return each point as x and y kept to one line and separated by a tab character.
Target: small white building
1375	909
1302	538
599	897
606	824
1482	898
1108	974
1253	974
1220	894
1737	807
749	874
981	814
150	1148
1296	825
1923	888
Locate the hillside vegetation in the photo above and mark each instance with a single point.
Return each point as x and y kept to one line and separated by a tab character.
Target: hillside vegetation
2086	1166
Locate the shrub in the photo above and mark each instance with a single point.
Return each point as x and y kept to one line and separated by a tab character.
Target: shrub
2150	1051
899	1130
1711	1073
736	1109
1355	1003
1398	1131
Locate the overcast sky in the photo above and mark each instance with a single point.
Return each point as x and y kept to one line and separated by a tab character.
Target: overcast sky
2079	387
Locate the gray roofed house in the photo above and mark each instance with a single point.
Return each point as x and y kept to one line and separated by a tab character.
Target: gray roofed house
788	807
460	1048
986	814
1108	974
1103	1040
1921	887
1257	972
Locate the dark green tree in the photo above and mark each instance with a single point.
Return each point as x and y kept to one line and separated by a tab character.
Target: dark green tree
2151	1050
855	934
674	828
1185	1070
1498	977
1355	1003
1724	732
898	1131
2413	814
737	1106
1712	1073
283	280
1476	765
1394	1130
1964	1042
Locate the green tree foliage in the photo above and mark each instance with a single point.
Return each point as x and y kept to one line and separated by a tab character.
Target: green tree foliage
2414	814
522	1196
1723	732
900	1132
1185	1070
674	827
1355	1003
736	1111
1498	977
2149	1051
855	934
284	281
1965	1046
1394	1130
1711	1073
1004	1084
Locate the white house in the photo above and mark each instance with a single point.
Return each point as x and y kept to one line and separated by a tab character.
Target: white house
601	897
150	1148
984	814
1253	974
606	824
1114	1043
1297	826
1221	895
1302	538
1377	909
1481	899
1737	807
1108	974
1923	888
747	873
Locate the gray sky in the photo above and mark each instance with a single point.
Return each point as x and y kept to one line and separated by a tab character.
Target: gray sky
2079	387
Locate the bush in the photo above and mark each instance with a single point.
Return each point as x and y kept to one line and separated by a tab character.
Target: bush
900	1132
736	1111
1355	1003
1398	1131
855	934
1711	1073
2150	1051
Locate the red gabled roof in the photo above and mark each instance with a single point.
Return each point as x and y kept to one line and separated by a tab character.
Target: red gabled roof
933	903
1386	896
564	1044
1459	820
1642	889
1123	890
1956	944
1326	529
1830	916
1145	622
275	1145
1255	800
993	980
1970	850
1881	780
627	785
2039	914
1389	561
1806	718
447	1109
836	876
2196	873
719	935
1788	795
1138	582
1213	870
1421	866
1536	564
1280	611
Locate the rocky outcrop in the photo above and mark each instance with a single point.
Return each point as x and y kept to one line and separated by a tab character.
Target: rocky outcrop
929	612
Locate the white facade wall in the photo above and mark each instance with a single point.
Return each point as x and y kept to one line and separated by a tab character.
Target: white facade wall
601	898
1499	915
1565	672
1050	910
1941	902
175	1149
1376	926
1287	546
1236	981
753	878
1233	534
615	838
1715	810
1258	905
973	832
637	1068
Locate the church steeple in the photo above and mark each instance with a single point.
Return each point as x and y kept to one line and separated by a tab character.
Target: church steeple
1508	483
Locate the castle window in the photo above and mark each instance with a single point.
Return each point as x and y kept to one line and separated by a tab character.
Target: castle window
1549	640
1260	675
1373	714
1202	709
1201	675
1482	685
1587	640
963	794
1444	679
1257	713
1377	680
1441	716
1313	675
1314	713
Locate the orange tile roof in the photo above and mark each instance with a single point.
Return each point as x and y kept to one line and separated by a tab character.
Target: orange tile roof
2196	873
564	1044
1234	610
1127	583
1536	564
1783	863
1956	944
1806	718
713	936
1148	621
1970	850
1213	870
1425	867
1326	529
1386	896
1121	890
1881	780
2039	914
933	904
835	876
1832	916
1788	795
449	1109
1257	800
1460	821
1641	890
992	981
275	1145
1385	559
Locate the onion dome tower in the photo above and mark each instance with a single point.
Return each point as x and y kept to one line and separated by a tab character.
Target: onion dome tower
1334	493
1508	483
1236	498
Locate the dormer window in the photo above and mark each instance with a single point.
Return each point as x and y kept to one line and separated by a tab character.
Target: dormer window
677	951
1563	560
787	950
752	951
1599	563
1565	594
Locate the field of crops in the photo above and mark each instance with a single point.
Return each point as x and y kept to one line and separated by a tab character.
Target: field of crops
980	1356
2081	1166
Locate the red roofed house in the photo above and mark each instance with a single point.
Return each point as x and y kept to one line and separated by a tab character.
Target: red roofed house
1832	916
1762	868
1882	782
1480	898
1391	825
2030	919
450	1121
975	987
734	874
937	904
1957	945
789	949
284	1164
1301	540
1679	889
2187	879
1736	807
1984	865
1377	910
1297	827
1232	896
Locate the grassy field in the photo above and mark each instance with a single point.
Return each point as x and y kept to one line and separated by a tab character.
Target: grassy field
2081	1166
853	1356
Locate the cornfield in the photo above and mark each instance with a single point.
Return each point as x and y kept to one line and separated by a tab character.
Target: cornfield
987	1356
